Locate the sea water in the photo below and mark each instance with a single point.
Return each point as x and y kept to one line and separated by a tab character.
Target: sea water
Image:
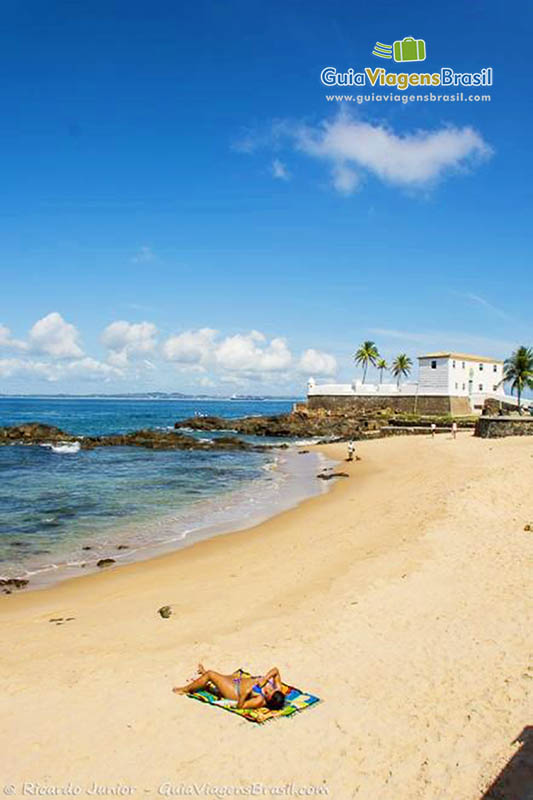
63	508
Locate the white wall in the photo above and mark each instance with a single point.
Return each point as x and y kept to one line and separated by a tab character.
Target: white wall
460	378
479	377
433	380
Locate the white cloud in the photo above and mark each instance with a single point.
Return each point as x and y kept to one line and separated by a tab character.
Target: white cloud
410	159
190	347
201	357
279	170
252	353
233	380
345	179
86	367
124	339
315	362
55	337
354	148
7	342
91	368
20	366
480	301
144	255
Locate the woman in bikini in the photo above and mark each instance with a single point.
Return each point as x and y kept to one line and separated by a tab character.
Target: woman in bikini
263	690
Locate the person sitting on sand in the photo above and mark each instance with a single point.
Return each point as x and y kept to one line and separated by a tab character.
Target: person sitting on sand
256	692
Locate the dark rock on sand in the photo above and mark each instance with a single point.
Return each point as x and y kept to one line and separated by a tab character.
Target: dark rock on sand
86	547
123	547
327	476
15	583
165	611
105	562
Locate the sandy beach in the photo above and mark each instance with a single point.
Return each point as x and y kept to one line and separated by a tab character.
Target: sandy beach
401	597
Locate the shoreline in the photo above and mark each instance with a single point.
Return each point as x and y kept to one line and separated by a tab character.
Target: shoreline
399	597
208	546
223	513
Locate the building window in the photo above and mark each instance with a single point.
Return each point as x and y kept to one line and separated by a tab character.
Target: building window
480	387
495	368
464	386
433	365
481	367
495	388
453	365
464	365
456	385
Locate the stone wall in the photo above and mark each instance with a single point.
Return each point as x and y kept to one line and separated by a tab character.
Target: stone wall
492	407
495	427
460	407
408	404
360	403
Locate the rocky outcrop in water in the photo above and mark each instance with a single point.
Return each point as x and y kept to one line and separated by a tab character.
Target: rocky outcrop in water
37	433
296	424
34	433
164	440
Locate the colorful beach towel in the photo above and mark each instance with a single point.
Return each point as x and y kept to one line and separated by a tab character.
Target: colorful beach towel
295	700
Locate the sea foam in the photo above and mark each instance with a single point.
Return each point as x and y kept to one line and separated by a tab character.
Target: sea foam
63	447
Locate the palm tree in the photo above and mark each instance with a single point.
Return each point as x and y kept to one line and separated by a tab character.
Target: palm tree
365	355
518	371
381	365
401	366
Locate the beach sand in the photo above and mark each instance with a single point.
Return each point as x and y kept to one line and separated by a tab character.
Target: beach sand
401	597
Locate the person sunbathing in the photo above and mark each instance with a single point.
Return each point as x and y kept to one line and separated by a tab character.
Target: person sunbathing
256	692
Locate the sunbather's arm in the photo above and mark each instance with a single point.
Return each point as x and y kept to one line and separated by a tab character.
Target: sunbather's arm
272	674
253	702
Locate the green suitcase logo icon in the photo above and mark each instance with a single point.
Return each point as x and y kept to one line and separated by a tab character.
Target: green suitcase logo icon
409	49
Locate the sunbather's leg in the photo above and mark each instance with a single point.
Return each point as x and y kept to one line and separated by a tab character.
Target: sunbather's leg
224	684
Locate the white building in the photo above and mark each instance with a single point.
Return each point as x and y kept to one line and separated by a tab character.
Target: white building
462	380
461	375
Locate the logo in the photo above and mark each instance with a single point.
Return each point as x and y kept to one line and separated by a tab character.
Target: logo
404	51
407	49
382	50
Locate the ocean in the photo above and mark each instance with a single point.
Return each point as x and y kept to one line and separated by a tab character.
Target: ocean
62	509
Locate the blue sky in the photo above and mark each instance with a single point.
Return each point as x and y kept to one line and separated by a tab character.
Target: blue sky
183	210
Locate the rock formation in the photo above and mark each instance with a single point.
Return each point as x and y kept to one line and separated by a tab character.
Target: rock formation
37	433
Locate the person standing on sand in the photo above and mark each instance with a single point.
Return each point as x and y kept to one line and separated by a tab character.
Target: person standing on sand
433	429
351	450
454	430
